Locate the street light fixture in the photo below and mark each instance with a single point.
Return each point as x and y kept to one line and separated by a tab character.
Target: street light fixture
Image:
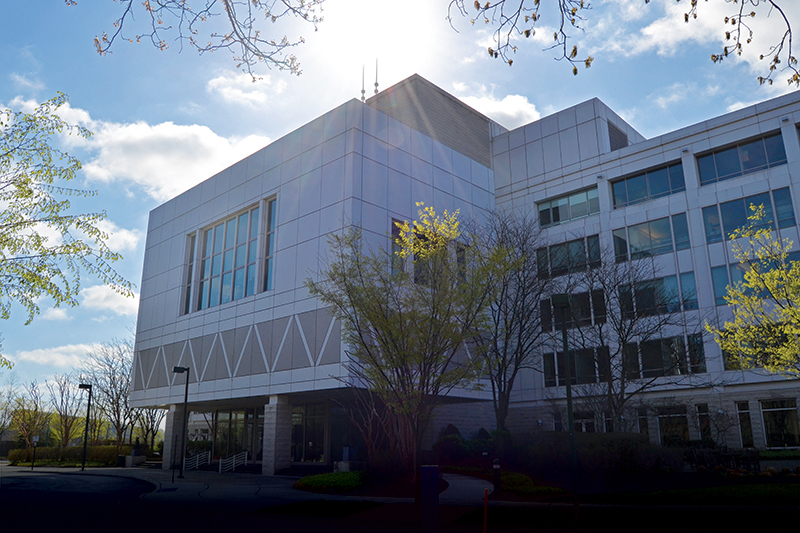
563	302
88	387
185	430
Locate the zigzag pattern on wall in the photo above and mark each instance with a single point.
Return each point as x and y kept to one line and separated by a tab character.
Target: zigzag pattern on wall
298	341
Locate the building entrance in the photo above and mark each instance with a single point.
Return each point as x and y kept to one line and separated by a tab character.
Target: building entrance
239	430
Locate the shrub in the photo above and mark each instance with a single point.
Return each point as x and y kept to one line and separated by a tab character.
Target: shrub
101	455
450	449
331	482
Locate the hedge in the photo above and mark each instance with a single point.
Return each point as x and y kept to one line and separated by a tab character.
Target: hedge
105	455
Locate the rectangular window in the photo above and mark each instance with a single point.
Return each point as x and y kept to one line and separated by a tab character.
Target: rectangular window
745	157
585	308
688	291
745	424
719	280
735	213
549	370
587	365
569	207
269	249
187	288
703	421
697	354
228	262
784	211
712	224
681	230
781	426
674	425
651	184
641	415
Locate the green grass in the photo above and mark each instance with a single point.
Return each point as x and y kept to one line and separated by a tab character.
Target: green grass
779	454
512	482
331	482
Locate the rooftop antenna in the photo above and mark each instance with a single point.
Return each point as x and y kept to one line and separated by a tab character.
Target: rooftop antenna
363	92
376	75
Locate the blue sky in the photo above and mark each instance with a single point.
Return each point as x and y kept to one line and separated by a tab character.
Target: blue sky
165	121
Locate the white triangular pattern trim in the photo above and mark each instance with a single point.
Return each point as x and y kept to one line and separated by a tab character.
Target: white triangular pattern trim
303	337
194	363
210	351
261	348
178	363
141	372
225	352
166	368
283	340
241	353
325	342
152	369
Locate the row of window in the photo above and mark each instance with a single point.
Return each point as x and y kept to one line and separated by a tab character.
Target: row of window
569	207
659	296
655	237
722	164
585	309
649	359
228	259
568	257
779	416
723	219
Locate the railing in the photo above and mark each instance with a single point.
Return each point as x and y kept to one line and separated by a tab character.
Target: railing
197	461
231	462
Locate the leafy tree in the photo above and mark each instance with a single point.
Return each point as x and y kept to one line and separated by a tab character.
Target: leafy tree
765	304
44	247
8	401
514	332
515	20
408	319
149	420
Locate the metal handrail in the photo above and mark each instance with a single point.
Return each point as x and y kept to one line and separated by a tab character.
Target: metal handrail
197	461
231	462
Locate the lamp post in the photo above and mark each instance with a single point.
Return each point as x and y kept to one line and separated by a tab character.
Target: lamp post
88	387
185	429
563	301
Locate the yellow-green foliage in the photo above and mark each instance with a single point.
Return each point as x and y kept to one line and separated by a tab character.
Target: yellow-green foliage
765	330
429	235
331	482
525	486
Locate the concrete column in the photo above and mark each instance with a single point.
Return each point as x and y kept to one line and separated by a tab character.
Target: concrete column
277	435
172	429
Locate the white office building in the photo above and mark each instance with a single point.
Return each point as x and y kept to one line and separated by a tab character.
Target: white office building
225	262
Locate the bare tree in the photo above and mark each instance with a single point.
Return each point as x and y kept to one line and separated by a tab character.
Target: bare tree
240	26
630	330
149	419
66	403
108	369
8	402
29	416
514	335
513	21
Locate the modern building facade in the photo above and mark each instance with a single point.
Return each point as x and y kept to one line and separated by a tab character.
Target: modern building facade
225	262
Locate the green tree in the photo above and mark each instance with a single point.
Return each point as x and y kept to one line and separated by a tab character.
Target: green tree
44	247
765	330
409	319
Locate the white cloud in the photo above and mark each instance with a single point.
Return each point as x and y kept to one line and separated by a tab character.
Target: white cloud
511	111
103	298
165	159
55	313
24	82
239	88
120	238
71	355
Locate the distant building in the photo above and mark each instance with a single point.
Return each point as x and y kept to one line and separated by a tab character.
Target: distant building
222	288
